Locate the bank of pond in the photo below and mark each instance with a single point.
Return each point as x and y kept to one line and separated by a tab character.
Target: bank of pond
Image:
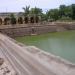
58	43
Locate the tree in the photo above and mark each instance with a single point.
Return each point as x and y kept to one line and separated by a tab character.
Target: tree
73	11
36	11
26	10
62	10
68	11
53	14
44	17
13	19
64	18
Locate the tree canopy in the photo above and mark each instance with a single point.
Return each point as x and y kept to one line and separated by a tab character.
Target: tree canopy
62	13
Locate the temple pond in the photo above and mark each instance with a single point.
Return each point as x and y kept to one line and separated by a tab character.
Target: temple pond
58	43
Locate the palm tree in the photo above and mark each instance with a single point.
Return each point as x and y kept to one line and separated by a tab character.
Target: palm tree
26	10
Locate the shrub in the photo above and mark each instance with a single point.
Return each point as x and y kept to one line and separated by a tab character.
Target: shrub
13	19
65	19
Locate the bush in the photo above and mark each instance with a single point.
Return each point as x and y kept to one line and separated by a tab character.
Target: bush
65	19
13	19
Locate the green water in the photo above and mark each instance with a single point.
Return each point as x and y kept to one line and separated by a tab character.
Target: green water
58	43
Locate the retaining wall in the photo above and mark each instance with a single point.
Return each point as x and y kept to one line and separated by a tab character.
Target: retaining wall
34	29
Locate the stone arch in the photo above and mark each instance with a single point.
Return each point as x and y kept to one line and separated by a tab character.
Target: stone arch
36	19
0	21
31	19
26	19
20	20
6	21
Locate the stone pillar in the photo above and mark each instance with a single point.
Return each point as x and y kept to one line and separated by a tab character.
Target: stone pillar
0	21
17	20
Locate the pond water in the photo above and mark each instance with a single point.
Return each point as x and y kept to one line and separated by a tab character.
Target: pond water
58	43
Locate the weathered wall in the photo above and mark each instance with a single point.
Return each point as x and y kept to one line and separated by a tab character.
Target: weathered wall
31	29
27	30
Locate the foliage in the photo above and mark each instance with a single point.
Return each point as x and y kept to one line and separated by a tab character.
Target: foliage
13	19
63	18
62	13
36	11
53	14
73	11
26	10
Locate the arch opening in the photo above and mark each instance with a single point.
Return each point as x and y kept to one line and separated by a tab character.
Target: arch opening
20	20
6	21
32	20
26	20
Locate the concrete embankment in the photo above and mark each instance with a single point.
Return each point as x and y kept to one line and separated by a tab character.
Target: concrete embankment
29	60
34	29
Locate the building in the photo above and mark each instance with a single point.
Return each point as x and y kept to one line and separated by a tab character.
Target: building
5	18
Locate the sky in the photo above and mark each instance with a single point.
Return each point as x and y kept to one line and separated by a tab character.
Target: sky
17	5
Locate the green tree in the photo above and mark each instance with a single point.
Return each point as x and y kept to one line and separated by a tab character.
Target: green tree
36	11
65	11
73	11
26	10
68	11
62	10
53	14
12	19
64	18
43	17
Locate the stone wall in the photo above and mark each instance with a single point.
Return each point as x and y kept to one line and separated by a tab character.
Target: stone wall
7	20
34	29
27	30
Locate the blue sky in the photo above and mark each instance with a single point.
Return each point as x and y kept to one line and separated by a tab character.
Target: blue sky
16	5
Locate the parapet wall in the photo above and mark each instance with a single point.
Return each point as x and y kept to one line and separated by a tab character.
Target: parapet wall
34	29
